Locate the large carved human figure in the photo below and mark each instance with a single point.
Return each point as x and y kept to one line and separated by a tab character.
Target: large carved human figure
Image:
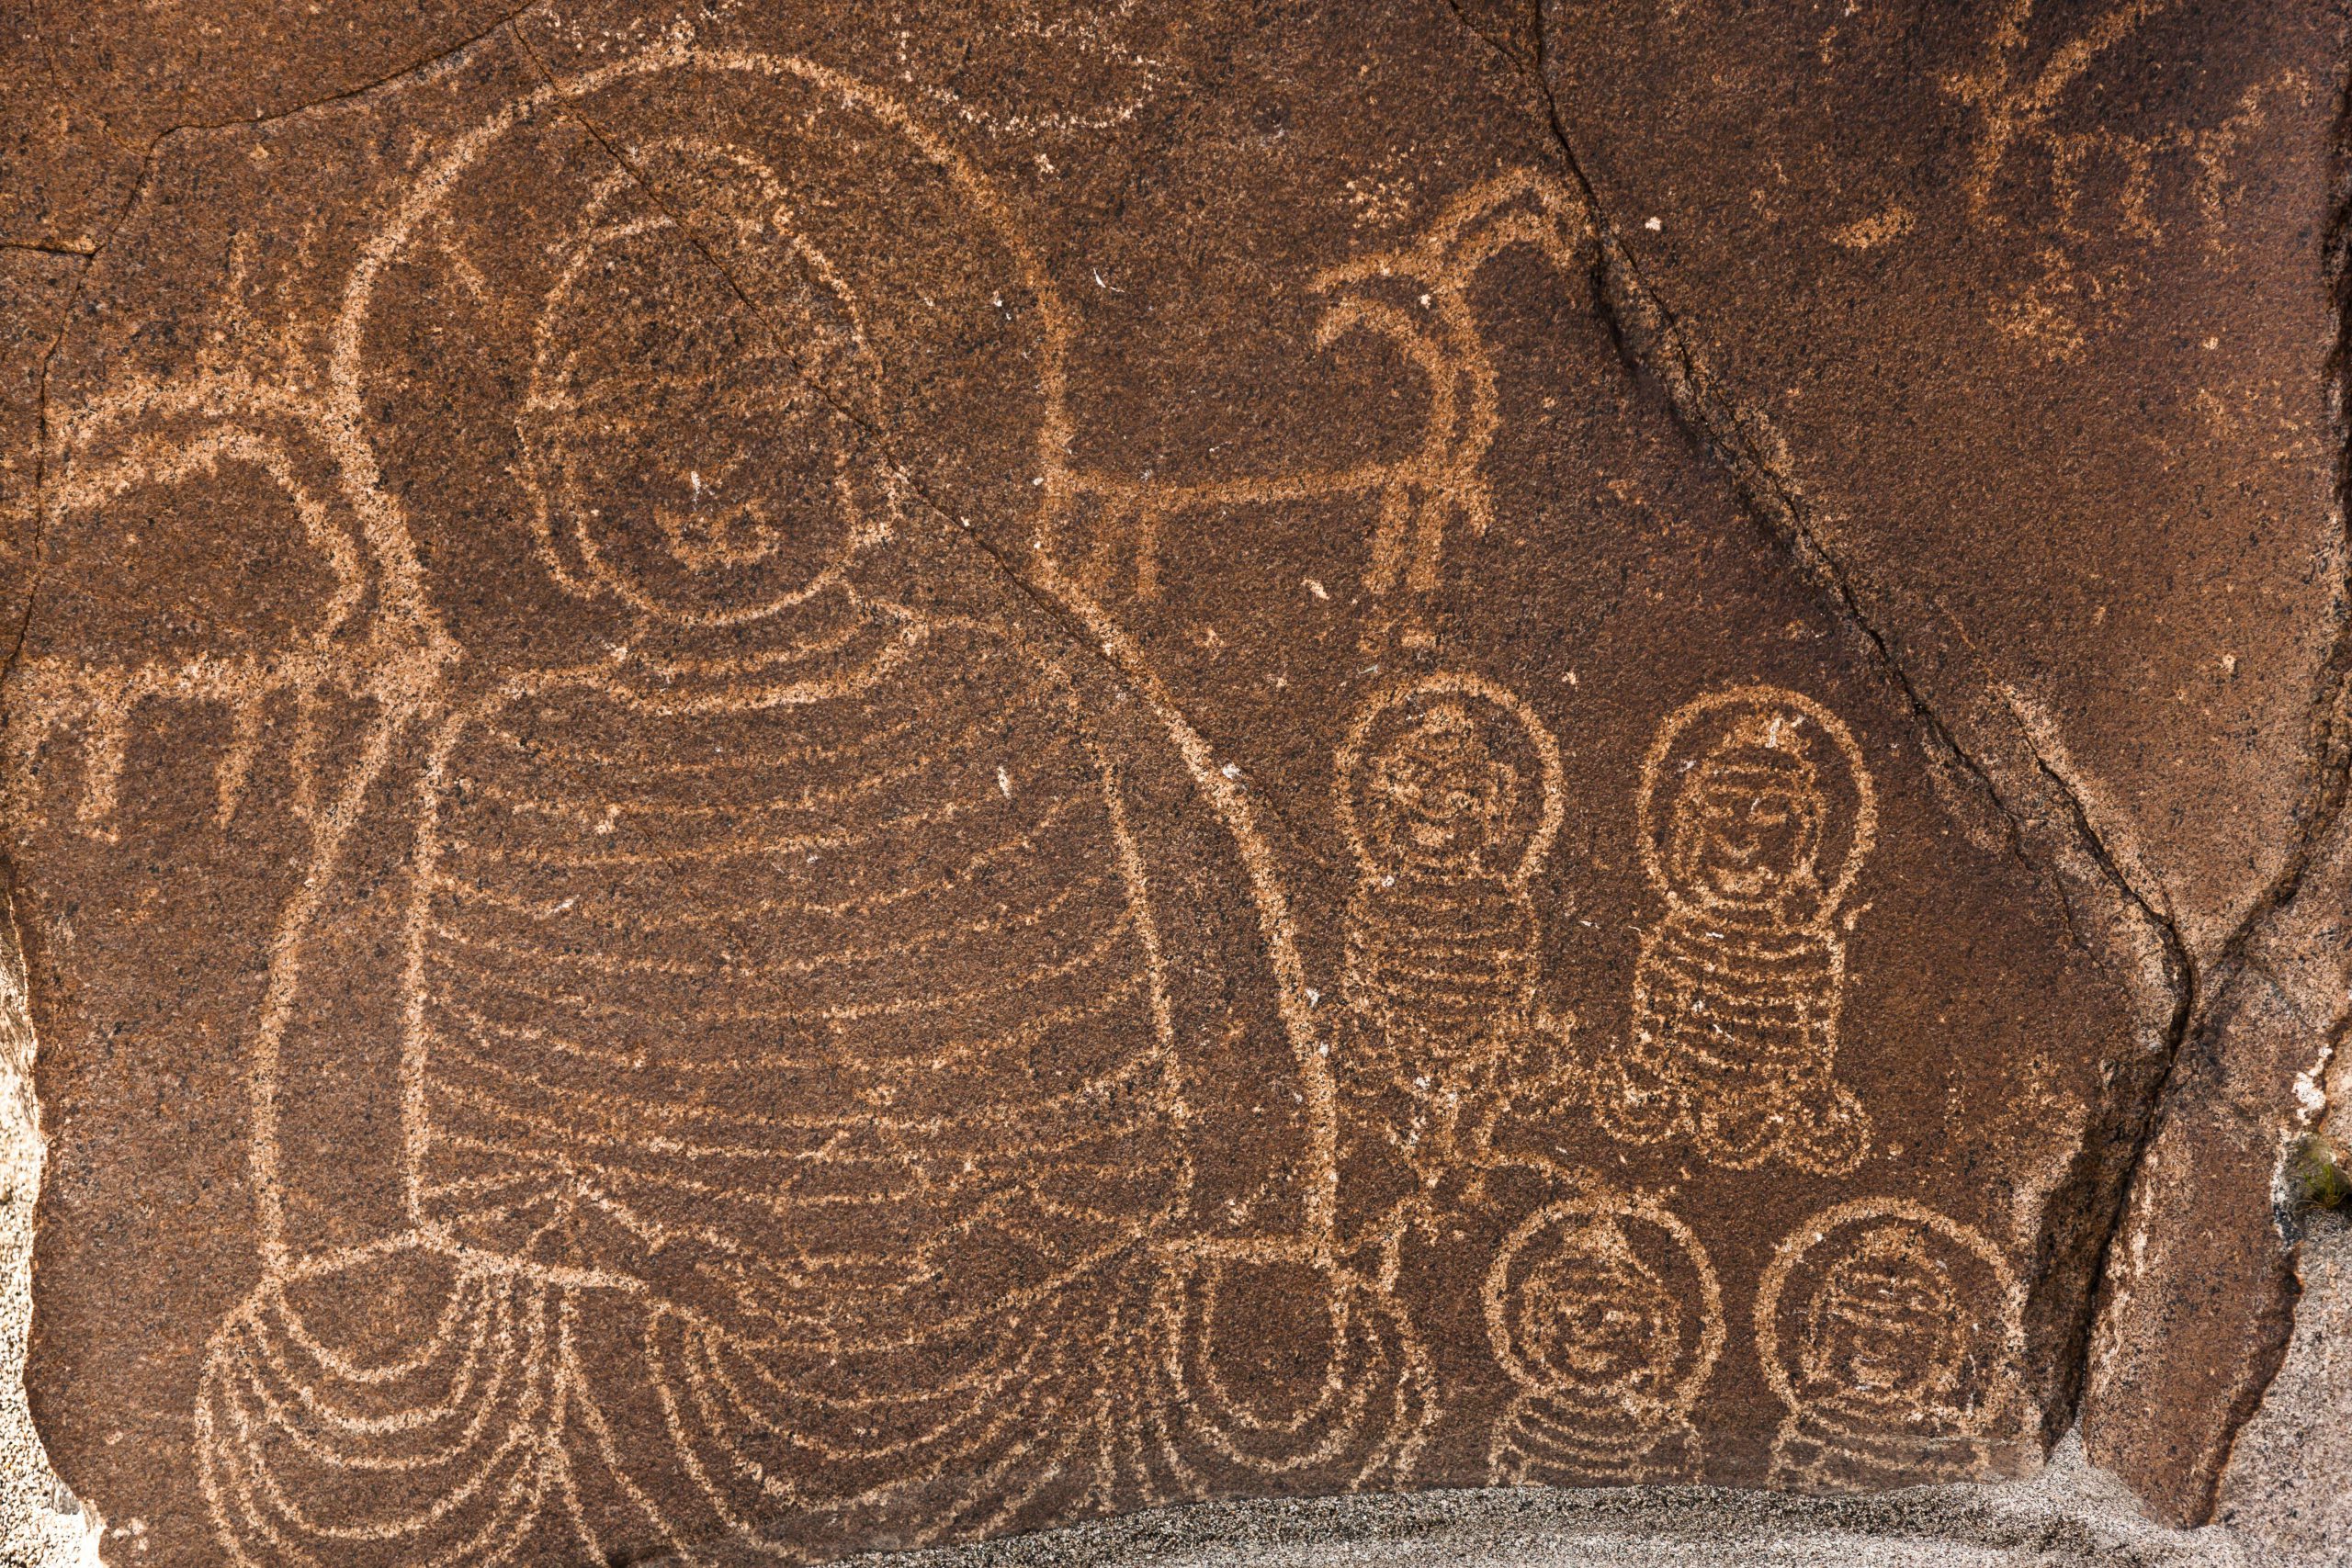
716	941
798	1070
1740	982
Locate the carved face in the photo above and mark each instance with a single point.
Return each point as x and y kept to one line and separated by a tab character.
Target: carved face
1747	830
684	455
1600	1324
1444	794
1885	1333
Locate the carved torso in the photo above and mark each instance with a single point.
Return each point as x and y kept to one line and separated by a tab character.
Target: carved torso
1715	999
835	1015
1439	969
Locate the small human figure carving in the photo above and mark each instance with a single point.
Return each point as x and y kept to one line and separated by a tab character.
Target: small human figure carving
1739	985
1450	795
1607	1315
1901	1369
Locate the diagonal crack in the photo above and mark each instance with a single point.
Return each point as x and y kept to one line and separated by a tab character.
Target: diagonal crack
1650	338
2033	788
2045	812
422	65
1656	340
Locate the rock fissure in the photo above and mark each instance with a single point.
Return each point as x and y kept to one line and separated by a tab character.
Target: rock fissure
2154	961
750	1031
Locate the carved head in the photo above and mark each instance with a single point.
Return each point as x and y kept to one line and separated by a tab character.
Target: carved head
1747	824
1885	1333
1443	798
691	428
1597	1324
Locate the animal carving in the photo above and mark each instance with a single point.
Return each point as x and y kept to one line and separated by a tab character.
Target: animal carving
1416	300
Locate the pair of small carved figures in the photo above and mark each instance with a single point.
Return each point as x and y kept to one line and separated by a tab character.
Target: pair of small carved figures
1739	982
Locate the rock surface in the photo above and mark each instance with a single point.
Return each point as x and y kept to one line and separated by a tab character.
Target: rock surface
2285	1483
782	784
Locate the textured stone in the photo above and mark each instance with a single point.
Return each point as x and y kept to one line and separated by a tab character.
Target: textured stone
2285	1481
2200	1292
88	93
2021	319
2026	304
785	784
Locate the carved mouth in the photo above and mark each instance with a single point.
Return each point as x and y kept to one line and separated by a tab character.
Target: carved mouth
707	539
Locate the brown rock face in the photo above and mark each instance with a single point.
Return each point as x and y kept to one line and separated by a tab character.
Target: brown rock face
784	782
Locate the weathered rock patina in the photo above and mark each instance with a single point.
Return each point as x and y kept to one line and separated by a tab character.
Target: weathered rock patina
783	783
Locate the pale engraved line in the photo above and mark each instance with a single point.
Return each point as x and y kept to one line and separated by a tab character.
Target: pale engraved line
666	766
849	1012
2010	1414
915	1162
576	1388
476	893
811	797
920	939
958	1052
574	1001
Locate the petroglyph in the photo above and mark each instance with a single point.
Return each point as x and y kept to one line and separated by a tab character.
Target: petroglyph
152	451
711	928
1607	1316
1098	45
1416	300
1757	814
1893	1335
850	1107
1448	790
2031	167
